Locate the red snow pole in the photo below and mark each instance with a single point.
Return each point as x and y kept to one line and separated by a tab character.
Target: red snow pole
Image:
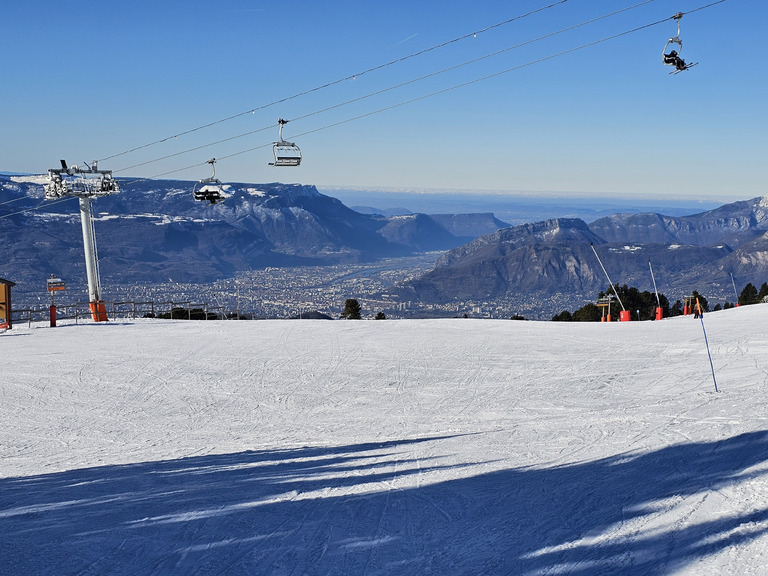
688	308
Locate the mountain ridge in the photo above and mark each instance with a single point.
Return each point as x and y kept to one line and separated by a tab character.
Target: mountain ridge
556	256
154	230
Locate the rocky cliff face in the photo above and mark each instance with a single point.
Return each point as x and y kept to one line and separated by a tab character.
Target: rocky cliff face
733	224
154	230
555	256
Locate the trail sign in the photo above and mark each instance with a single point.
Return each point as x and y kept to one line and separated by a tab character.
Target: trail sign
55	284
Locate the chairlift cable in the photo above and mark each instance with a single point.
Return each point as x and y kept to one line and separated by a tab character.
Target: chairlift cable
495	74
442	91
472	61
44	203
339	81
13	200
396	105
699	8
401	85
187	151
463	84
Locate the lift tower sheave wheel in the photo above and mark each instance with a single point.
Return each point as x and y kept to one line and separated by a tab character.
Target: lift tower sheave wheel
85	184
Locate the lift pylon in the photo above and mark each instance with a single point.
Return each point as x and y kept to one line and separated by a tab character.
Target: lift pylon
85	184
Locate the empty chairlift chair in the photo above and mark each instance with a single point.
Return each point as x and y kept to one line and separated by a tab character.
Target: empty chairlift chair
286	153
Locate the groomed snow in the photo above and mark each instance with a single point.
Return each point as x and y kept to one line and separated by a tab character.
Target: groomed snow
386	447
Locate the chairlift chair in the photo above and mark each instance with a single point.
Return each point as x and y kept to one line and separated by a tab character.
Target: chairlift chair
286	153
672	58
209	189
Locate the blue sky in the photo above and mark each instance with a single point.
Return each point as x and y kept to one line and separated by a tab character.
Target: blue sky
88	80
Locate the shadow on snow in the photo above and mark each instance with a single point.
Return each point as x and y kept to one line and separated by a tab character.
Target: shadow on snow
339	510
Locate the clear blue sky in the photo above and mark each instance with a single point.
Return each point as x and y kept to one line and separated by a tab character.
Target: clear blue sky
86	80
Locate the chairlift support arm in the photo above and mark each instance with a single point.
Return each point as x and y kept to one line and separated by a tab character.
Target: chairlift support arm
282	123
675	39
212	162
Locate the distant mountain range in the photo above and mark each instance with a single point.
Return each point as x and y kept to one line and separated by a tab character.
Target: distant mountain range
698	252
153	231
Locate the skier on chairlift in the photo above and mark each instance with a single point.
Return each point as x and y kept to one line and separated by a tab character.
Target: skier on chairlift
673	59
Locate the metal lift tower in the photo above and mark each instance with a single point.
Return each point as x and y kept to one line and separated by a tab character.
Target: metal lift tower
85	184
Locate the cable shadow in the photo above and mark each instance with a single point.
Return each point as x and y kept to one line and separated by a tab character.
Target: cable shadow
341	510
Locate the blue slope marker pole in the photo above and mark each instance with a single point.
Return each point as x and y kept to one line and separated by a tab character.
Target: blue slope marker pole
701	317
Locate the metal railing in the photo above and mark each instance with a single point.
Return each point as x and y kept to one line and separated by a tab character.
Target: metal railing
129	309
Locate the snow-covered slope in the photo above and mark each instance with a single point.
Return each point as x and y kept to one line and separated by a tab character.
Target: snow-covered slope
395	447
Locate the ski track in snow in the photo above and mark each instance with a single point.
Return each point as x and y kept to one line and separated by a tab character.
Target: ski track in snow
452	446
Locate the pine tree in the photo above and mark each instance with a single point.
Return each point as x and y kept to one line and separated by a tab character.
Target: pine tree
763	292
748	295
564	316
351	309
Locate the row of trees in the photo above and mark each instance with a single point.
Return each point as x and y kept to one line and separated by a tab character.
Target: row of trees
352	311
642	305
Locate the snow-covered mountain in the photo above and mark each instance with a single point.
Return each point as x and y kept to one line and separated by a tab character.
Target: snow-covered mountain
555	256
732	224
155	230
